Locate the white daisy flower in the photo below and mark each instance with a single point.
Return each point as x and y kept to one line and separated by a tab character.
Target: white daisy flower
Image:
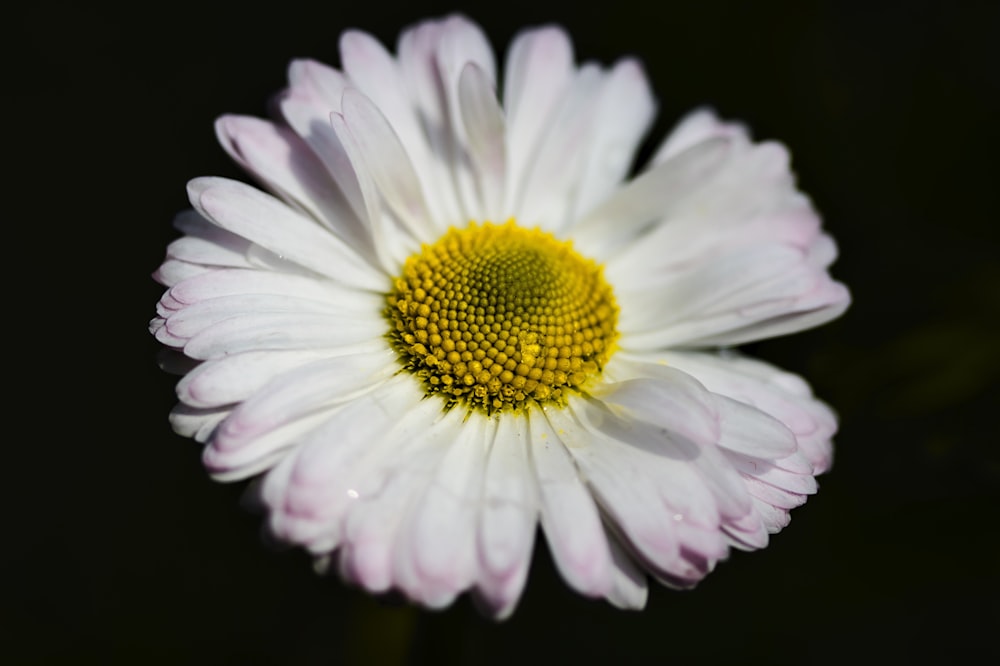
451	319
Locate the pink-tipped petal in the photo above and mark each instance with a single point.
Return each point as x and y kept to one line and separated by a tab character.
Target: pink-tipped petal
264	220
386	160
569	516
508	518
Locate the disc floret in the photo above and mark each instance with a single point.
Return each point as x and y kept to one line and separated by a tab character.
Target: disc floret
498	317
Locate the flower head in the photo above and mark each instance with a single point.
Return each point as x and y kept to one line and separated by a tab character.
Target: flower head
451	319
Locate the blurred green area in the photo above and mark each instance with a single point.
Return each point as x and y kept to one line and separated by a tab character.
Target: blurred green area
130	555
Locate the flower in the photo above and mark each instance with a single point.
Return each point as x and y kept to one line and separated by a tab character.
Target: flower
451	320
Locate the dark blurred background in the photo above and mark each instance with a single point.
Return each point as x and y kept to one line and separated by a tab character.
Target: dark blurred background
121	550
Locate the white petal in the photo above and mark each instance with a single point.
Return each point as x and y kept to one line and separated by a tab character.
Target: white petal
206	244
752	432
462	43
749	201
188	322
537	73
827	301
195	250
766	308
277	331
748	380
748	532
737	280
649	198
417	51
773	518
284	163
638	449
376	551
698	126
587	147
323	86
237	377
697	466
569	517
199	424
260	218
665	396
734	261
687	240
385	158
235	282
508	517
667	507
802	483
630	589
625	492
772	495
297	395
327	135
311	492
436	552
544	187
484	124
374	72
822	251
172	272
392	244
314	126
625	113
372	527
783	395
260	453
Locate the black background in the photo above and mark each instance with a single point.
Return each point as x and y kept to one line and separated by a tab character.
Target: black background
122	551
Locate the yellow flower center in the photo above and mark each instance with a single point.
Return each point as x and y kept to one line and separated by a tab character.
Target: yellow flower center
499	317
